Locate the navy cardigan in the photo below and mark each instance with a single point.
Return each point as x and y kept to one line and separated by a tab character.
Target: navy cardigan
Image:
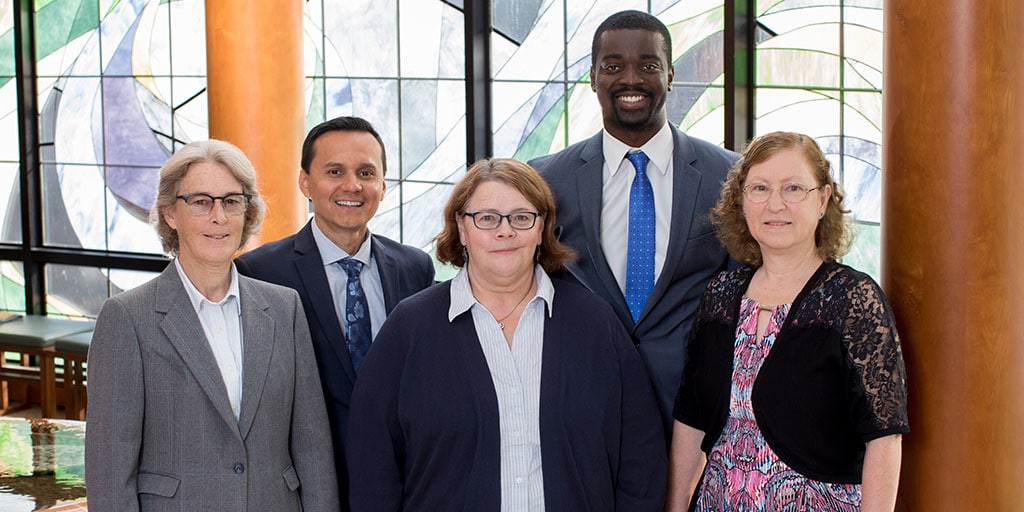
423	434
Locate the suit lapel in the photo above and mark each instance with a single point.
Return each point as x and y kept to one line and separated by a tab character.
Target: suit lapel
182	328
387	269
589	182
685	187
310	267
258	341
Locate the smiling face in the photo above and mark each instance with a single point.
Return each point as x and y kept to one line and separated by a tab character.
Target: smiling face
502	254
632	77
209	240
345	181
782	228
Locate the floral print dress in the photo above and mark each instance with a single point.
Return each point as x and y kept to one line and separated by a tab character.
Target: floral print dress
743	473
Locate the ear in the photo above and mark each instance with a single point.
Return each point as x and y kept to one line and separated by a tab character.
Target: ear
304	183
459	219
168	215
671	75
593	79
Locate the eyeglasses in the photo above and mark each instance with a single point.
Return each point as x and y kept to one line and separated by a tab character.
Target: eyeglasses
202	204
491	220
792	193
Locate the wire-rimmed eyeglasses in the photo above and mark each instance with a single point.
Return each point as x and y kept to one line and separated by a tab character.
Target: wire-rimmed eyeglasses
202	204
792	193
491	220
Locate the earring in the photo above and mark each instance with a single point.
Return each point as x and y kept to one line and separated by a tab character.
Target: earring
536	254
821	214
465	255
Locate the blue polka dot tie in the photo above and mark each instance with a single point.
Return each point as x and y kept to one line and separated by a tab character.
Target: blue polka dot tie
640	255
357	313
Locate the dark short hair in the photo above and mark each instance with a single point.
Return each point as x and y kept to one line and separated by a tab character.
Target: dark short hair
340	124
553	254
632	20
176	168
833	235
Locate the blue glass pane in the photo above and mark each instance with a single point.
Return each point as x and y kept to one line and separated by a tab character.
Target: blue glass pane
433	129
360	38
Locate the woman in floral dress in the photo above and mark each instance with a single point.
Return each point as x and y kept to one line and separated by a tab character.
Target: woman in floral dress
794	392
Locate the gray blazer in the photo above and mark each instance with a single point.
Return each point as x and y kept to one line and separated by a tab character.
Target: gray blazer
694	254
160	432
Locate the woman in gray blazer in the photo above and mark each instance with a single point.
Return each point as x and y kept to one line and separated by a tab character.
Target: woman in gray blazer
203	388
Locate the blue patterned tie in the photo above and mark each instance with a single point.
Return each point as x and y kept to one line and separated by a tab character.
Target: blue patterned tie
640	257
357	313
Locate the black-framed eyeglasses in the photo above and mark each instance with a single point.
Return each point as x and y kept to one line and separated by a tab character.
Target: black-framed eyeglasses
491	220
202	204
791	194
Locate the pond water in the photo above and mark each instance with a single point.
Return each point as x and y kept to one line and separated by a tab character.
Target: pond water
42	464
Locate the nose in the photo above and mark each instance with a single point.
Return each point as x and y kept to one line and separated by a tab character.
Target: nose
631	75
505	228
217	212
775	202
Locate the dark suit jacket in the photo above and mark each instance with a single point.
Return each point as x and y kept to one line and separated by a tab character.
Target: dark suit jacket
694	254
162	436
425	435
295	262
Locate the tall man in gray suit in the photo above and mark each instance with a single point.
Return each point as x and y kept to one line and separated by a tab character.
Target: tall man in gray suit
340	269
633	199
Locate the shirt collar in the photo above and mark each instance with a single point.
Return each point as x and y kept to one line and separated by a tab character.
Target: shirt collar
330	253
462	298
658	149
196	298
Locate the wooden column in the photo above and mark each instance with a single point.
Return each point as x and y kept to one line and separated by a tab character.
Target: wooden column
255	93
953	246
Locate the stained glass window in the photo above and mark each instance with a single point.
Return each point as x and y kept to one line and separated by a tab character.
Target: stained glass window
121	84
819	71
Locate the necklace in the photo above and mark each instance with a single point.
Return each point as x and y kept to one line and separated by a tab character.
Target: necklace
501	321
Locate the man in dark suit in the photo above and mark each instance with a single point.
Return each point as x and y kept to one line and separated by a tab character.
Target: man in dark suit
343	168
605	199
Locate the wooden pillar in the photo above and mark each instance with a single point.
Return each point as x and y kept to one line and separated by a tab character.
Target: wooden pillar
953	246
255	95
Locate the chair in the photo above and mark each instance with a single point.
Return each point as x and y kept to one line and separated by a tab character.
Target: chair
33	338
74	350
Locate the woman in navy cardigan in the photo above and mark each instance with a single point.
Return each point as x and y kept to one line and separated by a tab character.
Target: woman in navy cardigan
503	389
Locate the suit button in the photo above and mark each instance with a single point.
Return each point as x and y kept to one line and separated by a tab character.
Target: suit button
239	468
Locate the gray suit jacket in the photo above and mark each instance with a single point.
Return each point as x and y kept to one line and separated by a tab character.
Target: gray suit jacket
694	255
161	434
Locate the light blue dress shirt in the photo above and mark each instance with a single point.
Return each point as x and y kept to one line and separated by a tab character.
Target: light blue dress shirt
337	279
516	376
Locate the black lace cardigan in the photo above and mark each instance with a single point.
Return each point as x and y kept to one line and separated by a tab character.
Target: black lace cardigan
833	380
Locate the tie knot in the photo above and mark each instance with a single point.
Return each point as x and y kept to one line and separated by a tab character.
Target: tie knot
351	266
639	160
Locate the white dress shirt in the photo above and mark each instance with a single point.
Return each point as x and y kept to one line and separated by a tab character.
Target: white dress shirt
337	279
222	324
516	375
618	178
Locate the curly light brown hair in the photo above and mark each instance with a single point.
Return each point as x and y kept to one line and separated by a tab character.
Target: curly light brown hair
176	168
833	235
553	255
